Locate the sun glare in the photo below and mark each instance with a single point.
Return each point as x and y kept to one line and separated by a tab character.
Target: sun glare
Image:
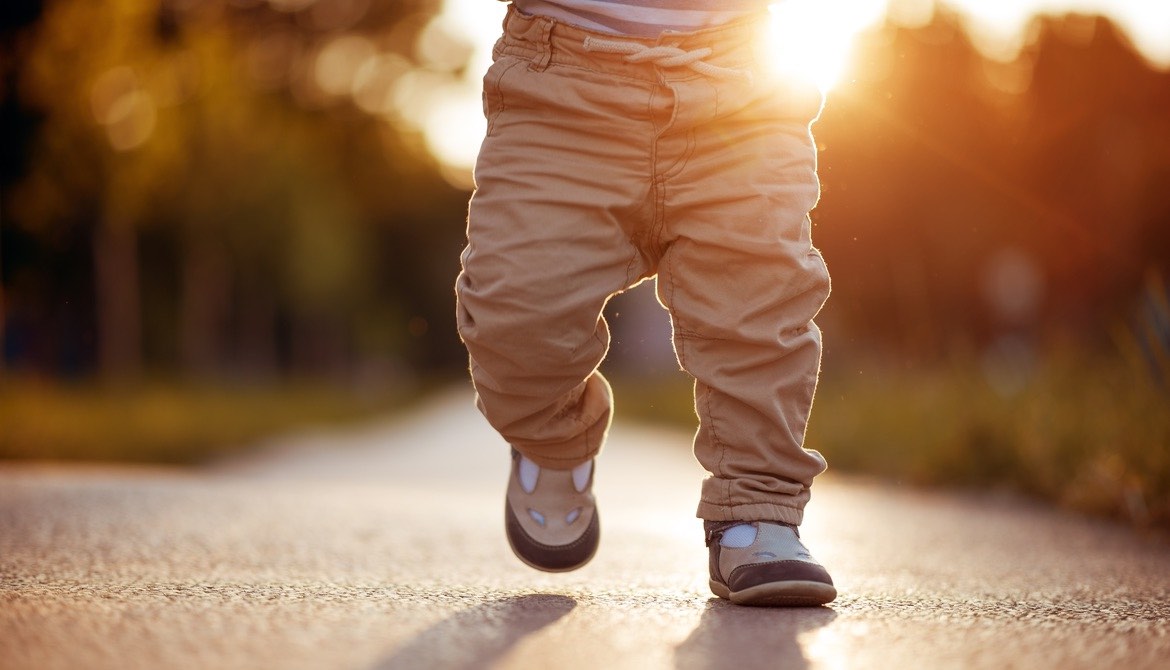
813	39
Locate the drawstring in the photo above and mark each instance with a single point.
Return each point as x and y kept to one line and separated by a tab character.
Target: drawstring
665	56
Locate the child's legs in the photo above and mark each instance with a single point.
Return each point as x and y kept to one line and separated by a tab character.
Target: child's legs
743	283
536	276
559	177
529	311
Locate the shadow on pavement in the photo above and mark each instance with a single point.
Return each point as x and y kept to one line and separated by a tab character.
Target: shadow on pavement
477	637
749	637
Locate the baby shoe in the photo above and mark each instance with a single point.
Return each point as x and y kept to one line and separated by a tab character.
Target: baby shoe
773	568
550	516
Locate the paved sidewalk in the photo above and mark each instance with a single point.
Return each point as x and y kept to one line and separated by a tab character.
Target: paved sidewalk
383	548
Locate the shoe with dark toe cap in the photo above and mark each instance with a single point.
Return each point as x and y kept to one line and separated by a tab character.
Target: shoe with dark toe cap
550	516
774	570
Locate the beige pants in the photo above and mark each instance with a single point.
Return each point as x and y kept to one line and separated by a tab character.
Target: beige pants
597	173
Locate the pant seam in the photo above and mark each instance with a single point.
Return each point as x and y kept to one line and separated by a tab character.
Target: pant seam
655	177
718	442
681	164
680	350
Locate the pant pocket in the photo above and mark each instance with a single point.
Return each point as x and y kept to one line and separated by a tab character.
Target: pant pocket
493	88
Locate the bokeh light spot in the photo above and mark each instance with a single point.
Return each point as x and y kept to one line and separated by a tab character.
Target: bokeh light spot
339	61
441	46
127	112
374	80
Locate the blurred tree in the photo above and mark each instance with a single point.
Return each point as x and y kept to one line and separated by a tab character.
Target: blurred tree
15	125
253	189
1095	152
966	199
911	186
225	128
107	149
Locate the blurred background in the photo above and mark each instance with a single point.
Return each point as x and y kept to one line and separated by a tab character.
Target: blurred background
225	219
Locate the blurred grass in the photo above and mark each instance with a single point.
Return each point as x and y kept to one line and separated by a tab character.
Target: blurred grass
1092	435
1089	435
170	422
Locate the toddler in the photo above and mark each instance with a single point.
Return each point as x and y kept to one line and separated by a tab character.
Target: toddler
636	139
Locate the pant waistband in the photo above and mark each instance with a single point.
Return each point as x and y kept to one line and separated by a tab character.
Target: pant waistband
546	41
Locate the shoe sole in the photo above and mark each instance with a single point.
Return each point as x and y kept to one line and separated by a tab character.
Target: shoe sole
778	594
589	540
545	568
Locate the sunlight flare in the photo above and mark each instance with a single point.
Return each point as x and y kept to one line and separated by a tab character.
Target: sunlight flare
813	39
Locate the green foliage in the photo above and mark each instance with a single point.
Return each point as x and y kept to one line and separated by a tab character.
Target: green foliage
170	423
109	86
1087	433
933	167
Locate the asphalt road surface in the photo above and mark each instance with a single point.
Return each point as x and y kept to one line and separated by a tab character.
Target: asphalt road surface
383	548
